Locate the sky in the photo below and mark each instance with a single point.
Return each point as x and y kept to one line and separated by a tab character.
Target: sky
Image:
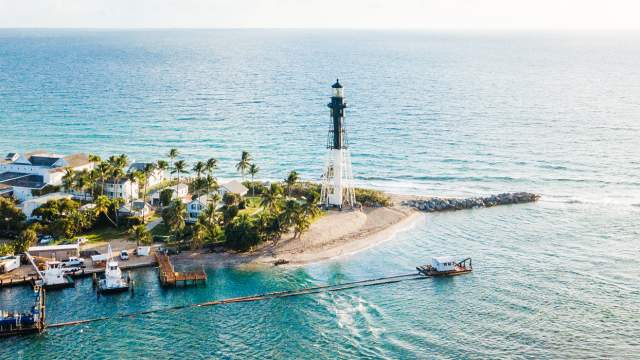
358	14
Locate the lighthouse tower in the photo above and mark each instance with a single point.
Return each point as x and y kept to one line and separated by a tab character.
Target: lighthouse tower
337	179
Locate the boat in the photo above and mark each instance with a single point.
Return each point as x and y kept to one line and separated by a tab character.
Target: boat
113	281
19	323
54	276
446	266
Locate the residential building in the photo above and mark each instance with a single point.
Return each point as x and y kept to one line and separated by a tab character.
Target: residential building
29	205
156	177
233	186
179	191
135	208
26	173
122	188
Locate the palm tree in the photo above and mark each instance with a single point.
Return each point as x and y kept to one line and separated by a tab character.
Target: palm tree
214	199
132	176
162	165
174	216
289	213
253	170
173	154
102	171
211	165
103	205
199	167
68	179
95	158
243	164
310	206
291	180
140	234
82	182
148	171
271	198
180	167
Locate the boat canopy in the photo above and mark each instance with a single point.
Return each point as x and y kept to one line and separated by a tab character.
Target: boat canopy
443	263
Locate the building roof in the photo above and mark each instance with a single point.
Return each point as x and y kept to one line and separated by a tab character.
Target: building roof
29	181
337	85
47	161
139	166
55	247
235	187
76	160
10	175
443	259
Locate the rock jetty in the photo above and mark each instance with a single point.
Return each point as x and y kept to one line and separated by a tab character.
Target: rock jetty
446	204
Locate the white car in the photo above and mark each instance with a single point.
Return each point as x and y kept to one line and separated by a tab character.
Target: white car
73	262
46	239
124	255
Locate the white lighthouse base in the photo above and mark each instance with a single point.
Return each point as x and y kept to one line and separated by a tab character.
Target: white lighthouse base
337	180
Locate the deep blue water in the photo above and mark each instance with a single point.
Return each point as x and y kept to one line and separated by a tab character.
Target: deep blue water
430	113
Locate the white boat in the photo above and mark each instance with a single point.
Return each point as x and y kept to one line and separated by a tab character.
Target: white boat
113	280
55	276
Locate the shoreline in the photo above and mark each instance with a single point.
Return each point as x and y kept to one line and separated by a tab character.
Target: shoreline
337	234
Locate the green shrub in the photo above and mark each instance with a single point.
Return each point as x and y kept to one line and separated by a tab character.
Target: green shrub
372	198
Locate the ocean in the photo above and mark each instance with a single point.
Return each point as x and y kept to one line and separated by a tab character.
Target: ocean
455	114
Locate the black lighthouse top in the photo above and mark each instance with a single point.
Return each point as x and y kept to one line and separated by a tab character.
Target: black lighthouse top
337	105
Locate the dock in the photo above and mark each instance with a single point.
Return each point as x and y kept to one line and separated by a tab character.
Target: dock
170	277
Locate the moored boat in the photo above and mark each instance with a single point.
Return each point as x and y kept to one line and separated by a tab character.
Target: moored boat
113	281
18	323
446	266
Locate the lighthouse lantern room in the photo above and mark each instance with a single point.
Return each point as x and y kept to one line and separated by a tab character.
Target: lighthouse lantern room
337	178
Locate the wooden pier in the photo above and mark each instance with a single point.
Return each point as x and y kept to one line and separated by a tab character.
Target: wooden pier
170	277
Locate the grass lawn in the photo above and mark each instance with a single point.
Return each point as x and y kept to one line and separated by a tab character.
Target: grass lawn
105	234
160	230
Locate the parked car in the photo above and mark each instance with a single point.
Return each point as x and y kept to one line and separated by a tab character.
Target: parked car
73	262
124	255
46	239
82	240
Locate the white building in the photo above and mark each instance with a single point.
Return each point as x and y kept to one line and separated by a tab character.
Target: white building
233	186
37	170
28	206
135	208
156	177
179	191
122	188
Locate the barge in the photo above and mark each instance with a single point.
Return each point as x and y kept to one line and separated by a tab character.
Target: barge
21	323
446	266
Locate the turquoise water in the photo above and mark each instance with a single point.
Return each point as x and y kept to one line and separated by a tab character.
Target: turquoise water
454	114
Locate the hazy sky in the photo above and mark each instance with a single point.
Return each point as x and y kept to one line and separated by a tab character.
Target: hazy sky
401	14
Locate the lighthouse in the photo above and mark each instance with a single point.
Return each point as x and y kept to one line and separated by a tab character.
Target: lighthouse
337	178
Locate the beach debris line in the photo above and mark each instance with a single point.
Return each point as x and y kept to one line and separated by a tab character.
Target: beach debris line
445	204
272	295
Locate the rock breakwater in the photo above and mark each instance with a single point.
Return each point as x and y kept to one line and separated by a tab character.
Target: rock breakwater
447	204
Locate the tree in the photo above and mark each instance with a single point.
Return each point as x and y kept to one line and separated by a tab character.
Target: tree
242	233
82	182
140	234
63	217
6	249
103	206
162	165
289	213
291	180
243	165
11	218
174	217
210	166
173	154
102	171
253	170
271	198
180	167
68	179
199	167
133	176
141	178
165	196
25	240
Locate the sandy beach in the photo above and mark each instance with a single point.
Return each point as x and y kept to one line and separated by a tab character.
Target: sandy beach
336	234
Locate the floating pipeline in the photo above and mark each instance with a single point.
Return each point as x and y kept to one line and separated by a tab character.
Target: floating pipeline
448	204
